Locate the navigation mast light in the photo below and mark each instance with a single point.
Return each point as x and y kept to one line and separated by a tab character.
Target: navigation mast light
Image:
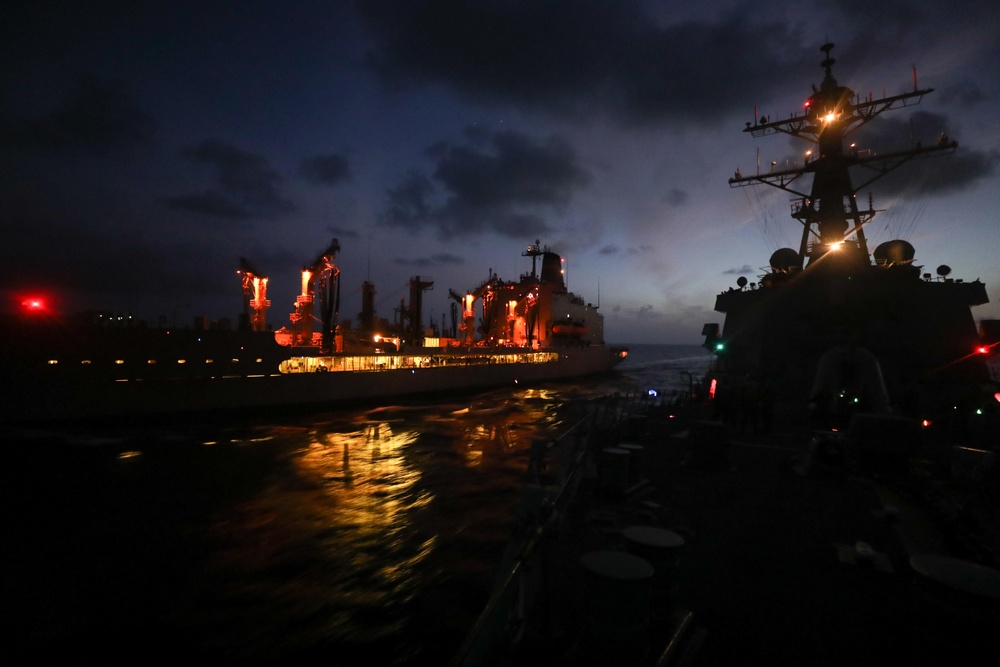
34	305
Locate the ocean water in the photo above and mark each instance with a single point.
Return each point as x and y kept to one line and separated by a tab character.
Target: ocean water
356	537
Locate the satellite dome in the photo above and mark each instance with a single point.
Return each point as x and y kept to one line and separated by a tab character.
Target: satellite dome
785	259
894	252
943	270
742	281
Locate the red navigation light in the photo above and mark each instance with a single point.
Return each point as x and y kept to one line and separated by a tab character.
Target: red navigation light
33	304
983	349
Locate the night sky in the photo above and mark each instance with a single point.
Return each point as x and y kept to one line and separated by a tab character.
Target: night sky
146	146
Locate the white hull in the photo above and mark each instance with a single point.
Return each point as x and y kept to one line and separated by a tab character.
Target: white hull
65	398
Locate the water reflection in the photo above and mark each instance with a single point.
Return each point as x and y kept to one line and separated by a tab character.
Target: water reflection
365	536
331	542
372	515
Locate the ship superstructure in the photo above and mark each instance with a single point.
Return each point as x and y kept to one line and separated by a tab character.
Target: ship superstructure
529	331
833	291
537	311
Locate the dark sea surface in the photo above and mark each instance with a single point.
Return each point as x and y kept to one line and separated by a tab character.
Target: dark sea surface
356	537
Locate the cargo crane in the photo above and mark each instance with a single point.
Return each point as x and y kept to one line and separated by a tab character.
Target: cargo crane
468	305
511	312
321	278
254	296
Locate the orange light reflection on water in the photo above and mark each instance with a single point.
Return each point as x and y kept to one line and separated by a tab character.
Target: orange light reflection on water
368	486
332	540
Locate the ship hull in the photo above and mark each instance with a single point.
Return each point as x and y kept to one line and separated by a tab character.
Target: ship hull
66	396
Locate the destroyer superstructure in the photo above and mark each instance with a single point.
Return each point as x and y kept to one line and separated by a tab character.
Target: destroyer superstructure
833	292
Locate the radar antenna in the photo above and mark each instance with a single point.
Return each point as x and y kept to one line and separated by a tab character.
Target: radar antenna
829	211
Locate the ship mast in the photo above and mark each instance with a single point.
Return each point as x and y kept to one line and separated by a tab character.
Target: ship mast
829	212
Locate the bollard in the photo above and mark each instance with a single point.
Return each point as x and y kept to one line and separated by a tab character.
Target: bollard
616	607
661	548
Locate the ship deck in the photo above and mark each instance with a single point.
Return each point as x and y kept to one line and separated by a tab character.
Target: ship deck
769	568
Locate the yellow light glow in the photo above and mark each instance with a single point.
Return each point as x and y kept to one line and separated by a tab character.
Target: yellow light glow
119	361
830	117
53	362
836	246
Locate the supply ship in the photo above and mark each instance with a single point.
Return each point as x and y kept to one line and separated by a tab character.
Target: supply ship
529	331
834	317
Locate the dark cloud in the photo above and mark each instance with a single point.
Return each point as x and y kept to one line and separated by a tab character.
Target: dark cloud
448	258
648	312
936	172
329	170
520	50
676	197
500	183
92	266
344	233
409	202
582	55
98	117
422	262
247	186
955	172
282	263
615	250
743	270
208	203
964	94
438	259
